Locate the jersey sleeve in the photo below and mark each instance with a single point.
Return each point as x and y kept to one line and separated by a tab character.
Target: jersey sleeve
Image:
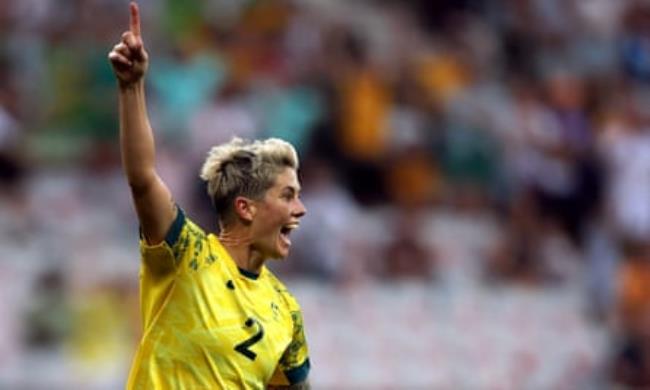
294	364
183	236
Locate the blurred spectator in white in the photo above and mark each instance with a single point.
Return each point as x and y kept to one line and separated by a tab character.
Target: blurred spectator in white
625	144
562	176
461	236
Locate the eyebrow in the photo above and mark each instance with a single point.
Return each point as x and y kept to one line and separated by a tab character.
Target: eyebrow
292	189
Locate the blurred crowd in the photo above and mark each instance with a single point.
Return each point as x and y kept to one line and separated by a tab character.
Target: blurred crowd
451	143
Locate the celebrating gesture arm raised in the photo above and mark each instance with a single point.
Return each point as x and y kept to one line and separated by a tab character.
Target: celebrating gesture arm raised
153	202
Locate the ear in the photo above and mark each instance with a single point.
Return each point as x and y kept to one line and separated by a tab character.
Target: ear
245	208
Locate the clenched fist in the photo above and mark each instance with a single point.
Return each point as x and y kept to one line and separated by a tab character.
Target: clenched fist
129	58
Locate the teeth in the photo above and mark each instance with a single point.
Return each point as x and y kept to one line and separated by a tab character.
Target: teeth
293	225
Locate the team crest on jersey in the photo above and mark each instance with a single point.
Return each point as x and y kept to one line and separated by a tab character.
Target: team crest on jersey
276	310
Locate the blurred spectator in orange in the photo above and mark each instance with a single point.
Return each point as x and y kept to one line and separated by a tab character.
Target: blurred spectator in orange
363	103
631	365
412	179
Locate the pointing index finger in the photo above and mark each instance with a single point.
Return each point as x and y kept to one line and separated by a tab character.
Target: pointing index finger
134	24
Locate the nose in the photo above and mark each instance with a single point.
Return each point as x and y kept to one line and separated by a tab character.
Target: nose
301	210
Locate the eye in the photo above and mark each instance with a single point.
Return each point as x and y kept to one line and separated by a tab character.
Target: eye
289	195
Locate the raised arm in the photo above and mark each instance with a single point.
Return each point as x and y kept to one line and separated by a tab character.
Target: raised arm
153	201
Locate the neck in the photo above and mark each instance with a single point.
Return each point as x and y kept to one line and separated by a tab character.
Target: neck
239	246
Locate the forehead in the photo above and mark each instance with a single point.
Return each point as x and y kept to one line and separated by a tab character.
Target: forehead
286	178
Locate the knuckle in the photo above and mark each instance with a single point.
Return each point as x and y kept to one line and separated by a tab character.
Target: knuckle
128	40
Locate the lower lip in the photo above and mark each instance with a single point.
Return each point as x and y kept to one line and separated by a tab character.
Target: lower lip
285	240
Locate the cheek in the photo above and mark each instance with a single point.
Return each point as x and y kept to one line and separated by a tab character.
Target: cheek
270	220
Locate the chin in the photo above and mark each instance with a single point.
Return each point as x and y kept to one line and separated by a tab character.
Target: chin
279	255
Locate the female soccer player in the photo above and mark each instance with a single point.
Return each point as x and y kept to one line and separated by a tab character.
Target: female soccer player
213	315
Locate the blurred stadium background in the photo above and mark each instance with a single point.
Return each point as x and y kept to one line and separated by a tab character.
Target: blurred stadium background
477	174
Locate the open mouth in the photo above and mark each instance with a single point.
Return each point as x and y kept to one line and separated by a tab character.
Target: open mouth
285	232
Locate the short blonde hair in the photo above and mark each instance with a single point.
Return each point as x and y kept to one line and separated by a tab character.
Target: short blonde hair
244	168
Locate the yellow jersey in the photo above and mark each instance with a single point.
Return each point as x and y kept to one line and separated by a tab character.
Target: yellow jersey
208	324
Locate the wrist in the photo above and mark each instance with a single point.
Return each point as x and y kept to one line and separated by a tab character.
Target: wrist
132	86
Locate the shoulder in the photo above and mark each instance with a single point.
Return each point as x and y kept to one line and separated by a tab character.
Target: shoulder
287	297
181	229
186	228
184	239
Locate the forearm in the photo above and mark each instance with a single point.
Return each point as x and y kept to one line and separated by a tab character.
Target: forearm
136	136
152	200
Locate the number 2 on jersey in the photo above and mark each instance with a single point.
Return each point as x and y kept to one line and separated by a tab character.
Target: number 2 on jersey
244	346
